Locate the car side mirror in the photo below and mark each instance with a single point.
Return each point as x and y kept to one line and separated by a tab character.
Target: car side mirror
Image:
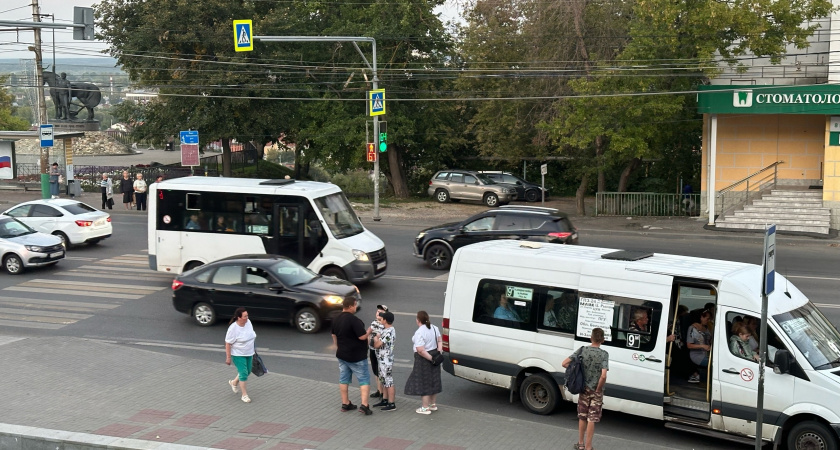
462	229
784	361
276	287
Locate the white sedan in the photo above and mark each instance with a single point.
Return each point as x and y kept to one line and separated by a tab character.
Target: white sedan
72	221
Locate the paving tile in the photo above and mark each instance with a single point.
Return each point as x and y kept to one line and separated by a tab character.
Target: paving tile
119	430
165	435
265	428
386	443
196	421
314	434
288	446
442	447
151	416
239	444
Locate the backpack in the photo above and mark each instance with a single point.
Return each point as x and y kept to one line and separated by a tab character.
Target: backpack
575	379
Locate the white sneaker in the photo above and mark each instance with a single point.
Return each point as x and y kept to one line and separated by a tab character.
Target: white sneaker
235	387
246	399
423	410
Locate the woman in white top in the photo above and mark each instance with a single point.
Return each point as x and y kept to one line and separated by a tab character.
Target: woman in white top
239	346
425	377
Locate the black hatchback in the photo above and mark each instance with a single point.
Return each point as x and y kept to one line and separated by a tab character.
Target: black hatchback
436	245
270	287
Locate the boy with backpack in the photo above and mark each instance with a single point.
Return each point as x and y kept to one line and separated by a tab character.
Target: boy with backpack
595	363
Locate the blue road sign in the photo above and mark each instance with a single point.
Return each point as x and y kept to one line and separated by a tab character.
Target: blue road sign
189	137
769	261
243	39
47	135
376	102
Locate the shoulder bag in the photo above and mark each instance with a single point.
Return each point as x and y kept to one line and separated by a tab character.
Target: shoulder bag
437	357
257	366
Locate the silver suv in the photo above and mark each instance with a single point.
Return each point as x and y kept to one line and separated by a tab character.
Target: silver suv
459	185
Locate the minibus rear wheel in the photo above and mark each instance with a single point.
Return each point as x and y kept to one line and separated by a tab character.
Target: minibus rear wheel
811	434
539	393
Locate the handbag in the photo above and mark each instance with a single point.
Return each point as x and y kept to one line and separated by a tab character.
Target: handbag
437	357
257	366
110	202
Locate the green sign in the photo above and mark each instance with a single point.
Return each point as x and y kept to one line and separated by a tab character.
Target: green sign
822	99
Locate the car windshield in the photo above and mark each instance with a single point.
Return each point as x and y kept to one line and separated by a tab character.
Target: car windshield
484	178
292	273
10	228
78	208
813	335
339	216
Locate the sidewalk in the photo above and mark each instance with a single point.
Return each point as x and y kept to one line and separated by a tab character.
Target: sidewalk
69	393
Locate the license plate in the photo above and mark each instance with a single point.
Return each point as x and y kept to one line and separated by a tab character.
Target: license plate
56	254
100	222
381	265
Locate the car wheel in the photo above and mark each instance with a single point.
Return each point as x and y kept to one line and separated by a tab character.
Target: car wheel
442	195
808	435
491	199
438	257
334	272
307	320
539	393
64	241
204	314
532	196
13	264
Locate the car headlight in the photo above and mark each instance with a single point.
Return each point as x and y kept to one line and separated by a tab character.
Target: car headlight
334	299
360	255
34	248
421	234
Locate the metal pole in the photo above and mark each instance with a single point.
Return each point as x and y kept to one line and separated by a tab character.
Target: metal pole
762	348
39	89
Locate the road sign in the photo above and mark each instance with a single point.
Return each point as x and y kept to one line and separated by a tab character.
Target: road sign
376	102
243	34
47	135
371	152
544	169
189	137
189	155
769	282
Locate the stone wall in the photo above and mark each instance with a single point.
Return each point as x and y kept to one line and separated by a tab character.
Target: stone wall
93	143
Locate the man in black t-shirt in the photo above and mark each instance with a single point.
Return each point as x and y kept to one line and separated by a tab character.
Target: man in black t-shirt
350	338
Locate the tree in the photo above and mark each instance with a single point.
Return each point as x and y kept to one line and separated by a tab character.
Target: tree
8	120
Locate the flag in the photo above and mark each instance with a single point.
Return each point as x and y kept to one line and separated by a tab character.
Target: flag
5	161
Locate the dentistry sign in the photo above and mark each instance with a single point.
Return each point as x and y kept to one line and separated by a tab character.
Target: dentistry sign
813	99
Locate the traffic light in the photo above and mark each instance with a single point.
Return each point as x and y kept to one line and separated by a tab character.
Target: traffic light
371	152
383	137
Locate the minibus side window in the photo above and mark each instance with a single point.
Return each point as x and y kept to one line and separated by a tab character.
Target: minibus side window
558	310
507	304
627	322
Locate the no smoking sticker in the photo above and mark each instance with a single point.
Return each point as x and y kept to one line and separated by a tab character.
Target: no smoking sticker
167	219
747	375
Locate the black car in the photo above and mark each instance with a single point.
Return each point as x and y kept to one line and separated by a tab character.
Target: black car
525	190
270	287
436	245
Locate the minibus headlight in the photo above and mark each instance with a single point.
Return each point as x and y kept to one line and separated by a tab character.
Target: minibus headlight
334	299
360	255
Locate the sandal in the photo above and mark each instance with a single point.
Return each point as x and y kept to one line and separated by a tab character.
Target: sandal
246	399
579	446
433	407
233	386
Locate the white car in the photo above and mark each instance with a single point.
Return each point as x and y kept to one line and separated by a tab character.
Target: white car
72	221
22	247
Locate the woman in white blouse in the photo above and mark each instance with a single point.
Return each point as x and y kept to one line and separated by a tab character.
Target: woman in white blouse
239	347
425	377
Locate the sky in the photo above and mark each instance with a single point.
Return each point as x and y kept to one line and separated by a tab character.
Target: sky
14	45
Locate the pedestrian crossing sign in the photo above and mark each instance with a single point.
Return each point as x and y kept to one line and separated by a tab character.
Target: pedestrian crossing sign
243	35
376	102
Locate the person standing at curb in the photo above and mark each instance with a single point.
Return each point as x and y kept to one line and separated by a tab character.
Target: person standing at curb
239	347
425	376
373	330
140	192
127	189
54	175
596	363
350	338
107	189
384	343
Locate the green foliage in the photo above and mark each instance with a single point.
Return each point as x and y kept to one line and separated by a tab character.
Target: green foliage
8	120
263	169
355	183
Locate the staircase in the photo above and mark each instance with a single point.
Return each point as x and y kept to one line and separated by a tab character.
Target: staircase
790	209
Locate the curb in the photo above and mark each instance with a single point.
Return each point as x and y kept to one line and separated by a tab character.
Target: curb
20	437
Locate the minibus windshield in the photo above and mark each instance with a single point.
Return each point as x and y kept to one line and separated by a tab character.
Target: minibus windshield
339	216
813	335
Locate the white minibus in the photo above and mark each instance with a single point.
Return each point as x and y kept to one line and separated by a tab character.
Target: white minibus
196	220
554	295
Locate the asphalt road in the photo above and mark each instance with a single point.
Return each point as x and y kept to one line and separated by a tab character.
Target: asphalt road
148	319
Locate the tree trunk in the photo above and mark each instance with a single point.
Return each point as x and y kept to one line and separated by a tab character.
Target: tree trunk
599	152
226	169
580	195
298	147
398	181
625	174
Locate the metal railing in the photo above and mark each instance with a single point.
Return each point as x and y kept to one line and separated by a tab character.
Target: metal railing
754	186
646	204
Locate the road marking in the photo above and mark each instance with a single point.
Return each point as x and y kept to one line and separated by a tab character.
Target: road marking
11	312
80	258
813	278
443	277
86	274
120	269
401	277
38	319
76	292
412	314
58	303
69	283
19	324
124	262
826	305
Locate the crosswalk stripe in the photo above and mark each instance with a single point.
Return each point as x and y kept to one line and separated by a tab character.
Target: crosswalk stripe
120	269
68	283
12	312
77	288
20	324
74	292
38	319
80	258
123	263
85	274
57	303
401	277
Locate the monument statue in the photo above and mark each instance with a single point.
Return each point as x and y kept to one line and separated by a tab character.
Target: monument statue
63	91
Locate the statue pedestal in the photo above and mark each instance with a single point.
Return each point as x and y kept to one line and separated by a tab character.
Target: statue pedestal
75	125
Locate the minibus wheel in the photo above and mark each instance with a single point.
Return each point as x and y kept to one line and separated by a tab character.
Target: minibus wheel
334	272
539	393
811	435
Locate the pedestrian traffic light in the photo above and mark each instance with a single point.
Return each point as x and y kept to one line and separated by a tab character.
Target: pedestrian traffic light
371	152
383	136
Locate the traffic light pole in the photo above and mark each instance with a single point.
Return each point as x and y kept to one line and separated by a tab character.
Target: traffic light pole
355	40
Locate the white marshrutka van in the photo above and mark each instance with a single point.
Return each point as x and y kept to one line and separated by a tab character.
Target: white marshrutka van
554	295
